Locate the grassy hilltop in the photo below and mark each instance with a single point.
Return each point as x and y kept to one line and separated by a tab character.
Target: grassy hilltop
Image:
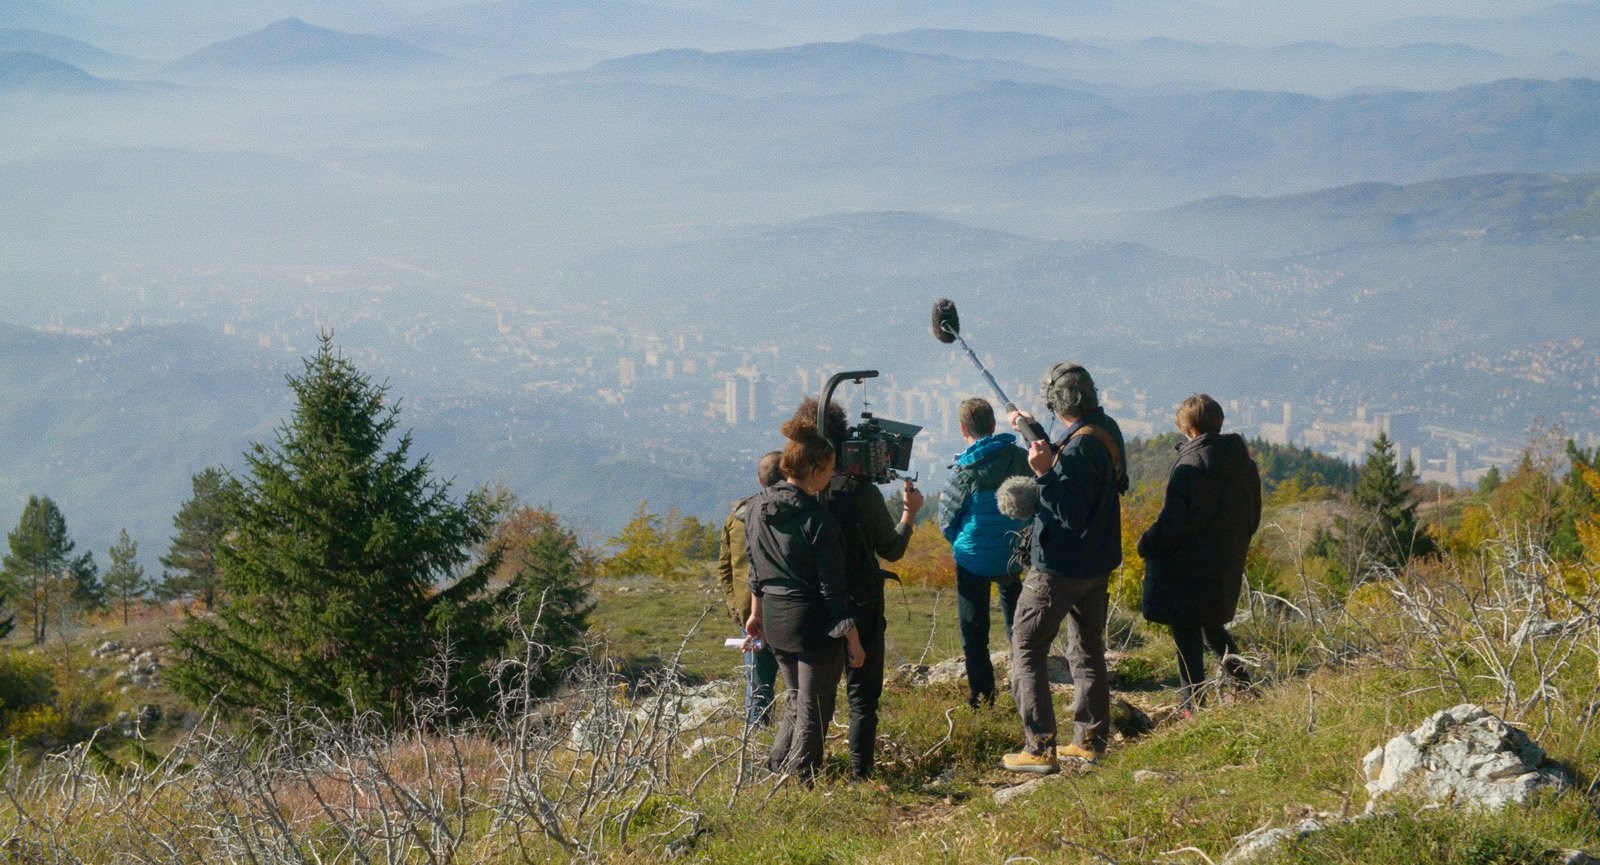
641	757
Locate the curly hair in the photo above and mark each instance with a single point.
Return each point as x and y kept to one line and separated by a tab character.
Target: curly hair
807	451
837	421
1069	390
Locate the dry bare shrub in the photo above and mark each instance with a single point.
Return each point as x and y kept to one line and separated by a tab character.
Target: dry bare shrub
536	780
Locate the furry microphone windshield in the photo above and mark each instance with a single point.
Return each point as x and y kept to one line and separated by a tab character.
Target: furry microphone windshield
945	322
947	329
1018	498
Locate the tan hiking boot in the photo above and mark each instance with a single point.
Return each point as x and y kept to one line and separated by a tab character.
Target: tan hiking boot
1036	764
1077	752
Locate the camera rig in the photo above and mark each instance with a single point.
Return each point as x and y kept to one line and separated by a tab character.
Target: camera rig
877	449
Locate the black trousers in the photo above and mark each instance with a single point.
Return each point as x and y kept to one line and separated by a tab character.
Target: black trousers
863	689
1193	641
972	612
811	681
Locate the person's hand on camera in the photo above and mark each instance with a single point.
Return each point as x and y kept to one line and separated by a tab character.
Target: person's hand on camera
1040	457
913	499
854	655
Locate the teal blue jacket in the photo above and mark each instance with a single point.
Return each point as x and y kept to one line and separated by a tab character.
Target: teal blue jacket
982	539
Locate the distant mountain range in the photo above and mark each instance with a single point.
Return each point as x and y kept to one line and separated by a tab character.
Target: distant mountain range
1032	48
571	33
292	46
26	72
1506	207
817	68
71	51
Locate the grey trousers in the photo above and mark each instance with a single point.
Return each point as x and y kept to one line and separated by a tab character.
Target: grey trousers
811	680
1045	603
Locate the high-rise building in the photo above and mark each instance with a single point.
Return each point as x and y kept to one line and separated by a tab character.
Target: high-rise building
730	399
758	395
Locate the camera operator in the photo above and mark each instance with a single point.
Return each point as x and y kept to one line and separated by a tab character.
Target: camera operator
733	573
1077	543
800	602
868	531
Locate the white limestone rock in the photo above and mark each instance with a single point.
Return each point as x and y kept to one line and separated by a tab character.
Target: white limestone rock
1464	756
1253	845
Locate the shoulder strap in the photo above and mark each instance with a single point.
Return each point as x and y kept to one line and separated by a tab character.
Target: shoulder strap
1106	441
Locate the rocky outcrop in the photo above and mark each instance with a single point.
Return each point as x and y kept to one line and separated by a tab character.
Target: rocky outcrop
1464	756
955	670
677	713
1254	845
142	667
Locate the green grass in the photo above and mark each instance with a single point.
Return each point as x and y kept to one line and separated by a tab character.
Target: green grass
1292	753
644	620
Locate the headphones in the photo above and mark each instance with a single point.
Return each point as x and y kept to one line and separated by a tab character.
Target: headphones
1052	383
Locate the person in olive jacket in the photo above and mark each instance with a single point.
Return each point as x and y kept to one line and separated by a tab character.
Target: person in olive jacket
1195	551
733	574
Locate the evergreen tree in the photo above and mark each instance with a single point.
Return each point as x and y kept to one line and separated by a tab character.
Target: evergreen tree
337	544
547	584
1384	528
1575	502
40	572
124	581
1489	482
191	562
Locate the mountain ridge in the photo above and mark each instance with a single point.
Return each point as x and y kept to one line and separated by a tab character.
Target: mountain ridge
292	46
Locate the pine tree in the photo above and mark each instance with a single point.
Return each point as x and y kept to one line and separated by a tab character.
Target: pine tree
39	571
1384	529
337	544
191	562
124	581
547	584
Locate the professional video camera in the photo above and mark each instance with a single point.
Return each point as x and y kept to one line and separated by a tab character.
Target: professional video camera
877	450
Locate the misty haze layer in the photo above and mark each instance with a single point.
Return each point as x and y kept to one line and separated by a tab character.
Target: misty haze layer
598	248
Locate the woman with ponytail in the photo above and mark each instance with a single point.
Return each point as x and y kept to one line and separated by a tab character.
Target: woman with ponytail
800	603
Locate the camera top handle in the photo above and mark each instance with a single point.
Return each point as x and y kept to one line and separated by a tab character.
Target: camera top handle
827	394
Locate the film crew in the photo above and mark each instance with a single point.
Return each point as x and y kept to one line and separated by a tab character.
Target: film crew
1076	543
733	573
868	532
800	603
1195	550
982	539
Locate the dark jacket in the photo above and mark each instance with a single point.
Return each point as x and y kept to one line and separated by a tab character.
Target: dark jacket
1077	529
1194	552
796	559
867	531
981	538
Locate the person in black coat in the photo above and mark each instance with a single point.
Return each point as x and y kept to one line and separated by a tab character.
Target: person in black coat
800	597
867	531
1195	551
